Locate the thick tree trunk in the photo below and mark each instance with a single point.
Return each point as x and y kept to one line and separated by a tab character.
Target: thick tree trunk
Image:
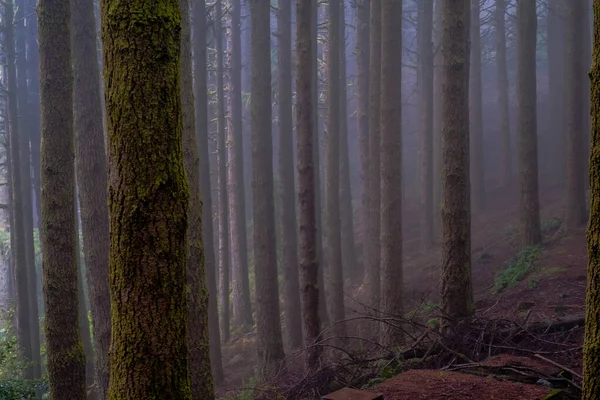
425	43
17	227
477	164
362	115
575	113
309	288
286	189
503	104
201	242
527	123
268	332
92	174
224	273
391	166
242	312
204	344
437	120
66	359
148	201
591	349
456	289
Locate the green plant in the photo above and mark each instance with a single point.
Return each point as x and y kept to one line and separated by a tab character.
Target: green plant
517	268
550	225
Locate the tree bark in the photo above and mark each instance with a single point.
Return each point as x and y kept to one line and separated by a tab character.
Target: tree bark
527	123
242	312
437	120
575	114
503	103
66	359
268	327
148	200
206	269
456	288
92	174
309	288
286	189
391	166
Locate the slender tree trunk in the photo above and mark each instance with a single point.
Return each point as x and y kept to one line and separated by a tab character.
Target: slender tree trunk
373	245
362	115
317	164
204	344
332	173
456	288
425	43
346	212
92	173
286	189
19	255
148	201
575	114
309	288
66	359
477	164
527	123
391	166
206	269
503	103
242	312
268	332
591	348
222	192
437	120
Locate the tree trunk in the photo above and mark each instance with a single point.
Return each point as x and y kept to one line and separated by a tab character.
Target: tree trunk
346	212
503	103
477	165
268	327
204	344
201	242
286	190
391	166
372	256
224	276
19	260
309	288
591	348
66	359
242	312
425	43
527	123
437	120
575	76
148	201
362	116
92	174
456	289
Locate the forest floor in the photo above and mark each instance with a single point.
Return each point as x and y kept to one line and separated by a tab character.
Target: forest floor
546	284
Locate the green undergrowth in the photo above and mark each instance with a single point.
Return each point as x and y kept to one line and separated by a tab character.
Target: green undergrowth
517	269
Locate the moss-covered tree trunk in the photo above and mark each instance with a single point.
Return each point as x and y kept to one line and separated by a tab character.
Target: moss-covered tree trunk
372	254
92	174
66	359
201	250
309	288
362	115
391	167
591	348
148	201
268	326
224	272
503	103
195	131
527	123
456	290
17	227
425	44
286	188
575	70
